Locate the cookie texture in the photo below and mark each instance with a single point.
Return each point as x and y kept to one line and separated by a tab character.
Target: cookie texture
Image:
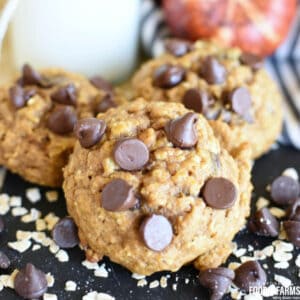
37	114
153	217
230	88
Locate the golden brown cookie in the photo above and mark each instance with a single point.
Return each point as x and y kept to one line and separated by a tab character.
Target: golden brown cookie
149	186
38	111
228	87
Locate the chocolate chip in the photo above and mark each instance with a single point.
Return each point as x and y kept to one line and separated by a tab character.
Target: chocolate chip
118	195
131	154
102	84
29	93
285	190
250	274
240	100
106	103
219	193
65	233
30	76
89	131
65	95
292	229
264	223
253	61
156	232
4	261
293	212
2	224
168	76
212	71
16	96
196	100
182	131
178	47
30	282
217	281
62	120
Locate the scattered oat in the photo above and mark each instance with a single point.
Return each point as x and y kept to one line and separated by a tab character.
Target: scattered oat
142	282
15	201
282	280
283	246
48	296
240	252
53	247
281	265
101	272
70	286
233	265
259	255
154	284
247	258
36	247
32	216
50	279
291	172
97	296
19	211
20	246
51	196
281	256
40	225
62	256
33	195
163	282
262	202
277	212
90	265
137	276
23	235
51	219
268	251
8	280
4	204
174	286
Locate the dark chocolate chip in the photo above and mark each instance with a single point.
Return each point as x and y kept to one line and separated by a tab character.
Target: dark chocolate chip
29	93
118	195
16	96
168	76
253	61
30	282
4	261
196	100
285	190
2	224
106	103
212	71
219	193
62	120
156	232
217	281
131	154
65	233
293	212
182	131
102	84
264	223
89	131
65	95
250	274
30	76
240	100
292	229
178	47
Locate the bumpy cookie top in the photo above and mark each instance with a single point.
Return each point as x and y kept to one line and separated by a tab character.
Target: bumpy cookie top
149	186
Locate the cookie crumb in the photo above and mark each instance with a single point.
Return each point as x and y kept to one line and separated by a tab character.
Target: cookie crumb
19	211
4	204
90	265
15	201
50	279
36	247
20	246
70	286
97	296
33	195
48	296
142	282
262	202
277	212
62	256
23	235
51	219
8	280
137	276
281	265
233	265
240	252
101	271
51	196
268	250
282	280
163	282
154	284
33	215
174	286
297	261
291	172
40	225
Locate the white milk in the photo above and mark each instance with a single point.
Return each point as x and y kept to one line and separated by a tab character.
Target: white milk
86	36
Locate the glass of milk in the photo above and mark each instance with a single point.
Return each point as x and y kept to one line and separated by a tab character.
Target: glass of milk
92	37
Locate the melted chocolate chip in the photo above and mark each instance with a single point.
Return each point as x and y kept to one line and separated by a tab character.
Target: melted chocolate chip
131	154
178	47
156	232
240	100
182	131
293	212
168	76
217	281
253	61
89	131
264	223
250	274
65	95
65	233
30	282
102	84
118	195
285	190
196	100
292	229
62	120
4	261
212	71
106	103
219	193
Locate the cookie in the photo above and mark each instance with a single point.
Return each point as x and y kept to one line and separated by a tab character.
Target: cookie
149	186
230	88
38	111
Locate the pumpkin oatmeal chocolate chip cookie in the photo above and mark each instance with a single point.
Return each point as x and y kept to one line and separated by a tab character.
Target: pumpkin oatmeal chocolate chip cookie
38	111
149	186
230	88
